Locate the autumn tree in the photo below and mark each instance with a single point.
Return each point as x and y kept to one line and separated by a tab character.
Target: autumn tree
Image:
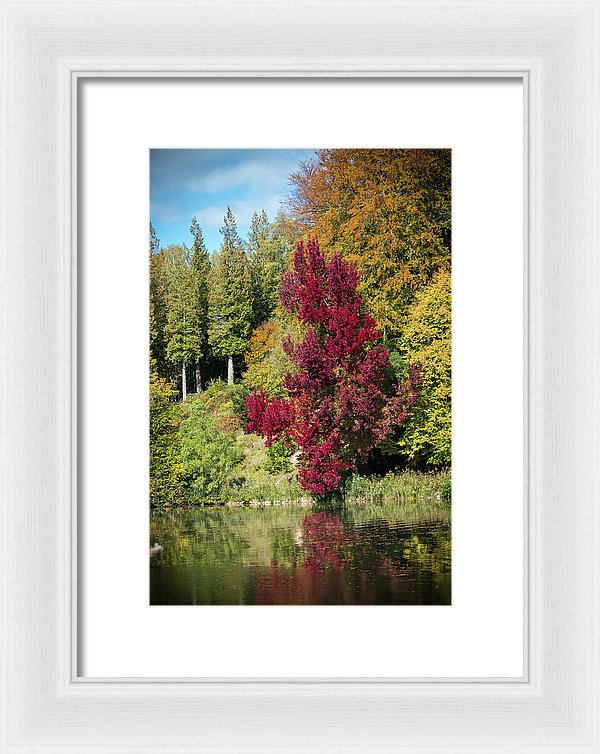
426	437
341	403
266	362
200	264
385	210
230	297
183	330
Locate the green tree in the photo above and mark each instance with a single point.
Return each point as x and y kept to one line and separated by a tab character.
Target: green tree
159	295
259	232
183	330
258	241
200	264
269	248
425	438
230	297
166	470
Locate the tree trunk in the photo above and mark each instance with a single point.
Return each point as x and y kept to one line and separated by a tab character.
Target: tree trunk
198	378
230	370
183	382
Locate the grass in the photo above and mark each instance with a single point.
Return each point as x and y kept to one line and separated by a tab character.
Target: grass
402	486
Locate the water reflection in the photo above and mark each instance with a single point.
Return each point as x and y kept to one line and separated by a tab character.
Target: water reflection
379	554
323	537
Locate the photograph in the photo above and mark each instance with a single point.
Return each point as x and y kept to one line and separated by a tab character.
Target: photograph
300	392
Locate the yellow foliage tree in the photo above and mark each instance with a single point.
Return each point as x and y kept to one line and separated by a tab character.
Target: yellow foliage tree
386	210
426	437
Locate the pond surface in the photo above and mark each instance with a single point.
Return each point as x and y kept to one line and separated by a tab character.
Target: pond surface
358	554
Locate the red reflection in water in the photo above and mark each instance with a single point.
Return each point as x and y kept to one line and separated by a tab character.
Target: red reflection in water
318	578
324	538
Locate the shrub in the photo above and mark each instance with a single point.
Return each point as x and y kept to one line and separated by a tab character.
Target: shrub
226	404
209	457
278	458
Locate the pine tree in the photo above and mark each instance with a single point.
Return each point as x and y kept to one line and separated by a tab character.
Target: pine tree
259	231
200	263
258	240
230	297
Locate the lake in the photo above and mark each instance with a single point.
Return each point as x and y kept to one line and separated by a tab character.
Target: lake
376	553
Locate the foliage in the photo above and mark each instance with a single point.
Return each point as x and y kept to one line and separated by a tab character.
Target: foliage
266	361
230	295
339	406
166	470
425	439
278	458
226	404
208	456
385	210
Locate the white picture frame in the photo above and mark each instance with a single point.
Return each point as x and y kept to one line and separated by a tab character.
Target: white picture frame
47	47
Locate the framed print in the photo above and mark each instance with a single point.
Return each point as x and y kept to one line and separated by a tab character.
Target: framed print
369	549
290	601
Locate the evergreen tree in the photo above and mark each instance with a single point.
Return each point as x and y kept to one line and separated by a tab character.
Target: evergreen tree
259	231
230	297
285	231
183	332
269	247
200	264
258	240
158	308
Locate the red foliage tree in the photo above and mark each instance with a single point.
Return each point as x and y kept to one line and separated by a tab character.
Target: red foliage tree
339	406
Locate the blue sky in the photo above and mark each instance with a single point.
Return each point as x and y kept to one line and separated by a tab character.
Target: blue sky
204	182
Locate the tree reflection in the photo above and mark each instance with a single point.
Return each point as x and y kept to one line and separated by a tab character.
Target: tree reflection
323	538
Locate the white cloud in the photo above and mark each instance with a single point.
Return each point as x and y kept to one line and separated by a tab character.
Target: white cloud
263	175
